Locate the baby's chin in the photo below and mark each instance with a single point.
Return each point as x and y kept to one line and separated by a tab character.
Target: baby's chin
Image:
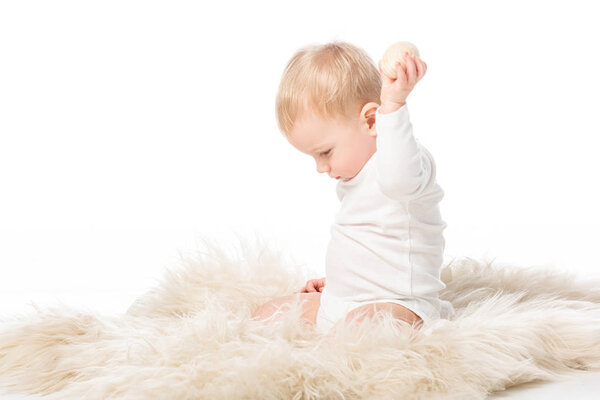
346	179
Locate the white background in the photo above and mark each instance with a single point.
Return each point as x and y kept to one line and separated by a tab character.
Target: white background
128	128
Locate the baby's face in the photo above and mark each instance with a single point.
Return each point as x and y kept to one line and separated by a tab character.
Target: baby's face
340	148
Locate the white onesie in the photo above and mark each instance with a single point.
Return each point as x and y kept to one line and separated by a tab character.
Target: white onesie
387	240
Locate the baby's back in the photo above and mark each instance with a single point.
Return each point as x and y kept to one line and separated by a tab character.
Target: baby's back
382	247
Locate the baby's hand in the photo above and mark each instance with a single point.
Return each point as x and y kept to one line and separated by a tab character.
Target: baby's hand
395	91
313	285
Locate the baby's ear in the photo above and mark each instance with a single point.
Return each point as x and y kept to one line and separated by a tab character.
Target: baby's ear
371	122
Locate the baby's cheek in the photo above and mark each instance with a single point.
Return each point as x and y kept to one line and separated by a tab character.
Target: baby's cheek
355	167
344	169
342	166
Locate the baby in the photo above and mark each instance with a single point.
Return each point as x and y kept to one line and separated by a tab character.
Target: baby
387	242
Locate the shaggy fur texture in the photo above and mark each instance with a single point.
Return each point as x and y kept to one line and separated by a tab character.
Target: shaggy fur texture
191	338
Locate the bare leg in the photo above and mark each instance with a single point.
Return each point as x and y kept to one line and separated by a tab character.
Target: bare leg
398	311
310	306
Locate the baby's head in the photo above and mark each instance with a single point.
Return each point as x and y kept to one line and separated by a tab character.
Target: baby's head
326	106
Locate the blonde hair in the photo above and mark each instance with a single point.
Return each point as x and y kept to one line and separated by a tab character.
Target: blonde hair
334	80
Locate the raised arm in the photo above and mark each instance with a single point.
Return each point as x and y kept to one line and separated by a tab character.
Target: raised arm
403	167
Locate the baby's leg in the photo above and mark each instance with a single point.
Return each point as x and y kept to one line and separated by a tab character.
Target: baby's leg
310	306
398	311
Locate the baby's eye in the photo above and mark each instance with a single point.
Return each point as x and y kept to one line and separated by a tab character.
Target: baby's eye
324	153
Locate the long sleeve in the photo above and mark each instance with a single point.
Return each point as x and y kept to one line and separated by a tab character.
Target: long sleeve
403	167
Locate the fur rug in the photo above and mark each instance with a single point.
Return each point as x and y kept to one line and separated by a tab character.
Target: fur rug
191	337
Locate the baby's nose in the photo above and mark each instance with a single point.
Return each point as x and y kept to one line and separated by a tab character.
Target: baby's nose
322	168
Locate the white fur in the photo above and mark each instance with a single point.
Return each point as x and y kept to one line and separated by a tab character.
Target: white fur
191	338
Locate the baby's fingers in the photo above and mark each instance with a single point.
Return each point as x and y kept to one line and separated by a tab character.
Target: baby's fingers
303	290
411	70
311	288
400	73
421	68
